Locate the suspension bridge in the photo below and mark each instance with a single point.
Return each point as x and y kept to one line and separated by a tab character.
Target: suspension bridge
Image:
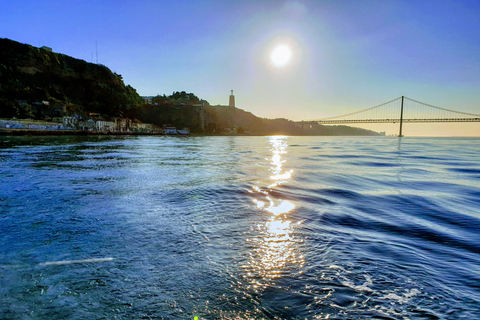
402	110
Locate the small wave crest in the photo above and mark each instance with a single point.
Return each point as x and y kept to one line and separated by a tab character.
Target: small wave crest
66	262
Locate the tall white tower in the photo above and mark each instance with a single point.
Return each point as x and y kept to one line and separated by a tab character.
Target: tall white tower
231	103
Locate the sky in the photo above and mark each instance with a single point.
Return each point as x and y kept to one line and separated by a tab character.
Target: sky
345	56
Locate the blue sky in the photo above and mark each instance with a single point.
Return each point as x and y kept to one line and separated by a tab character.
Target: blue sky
346	55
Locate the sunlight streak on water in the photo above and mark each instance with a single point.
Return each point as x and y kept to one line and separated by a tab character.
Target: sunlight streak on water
282	208
274	244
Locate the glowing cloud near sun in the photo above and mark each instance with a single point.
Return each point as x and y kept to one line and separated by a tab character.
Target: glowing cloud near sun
281	56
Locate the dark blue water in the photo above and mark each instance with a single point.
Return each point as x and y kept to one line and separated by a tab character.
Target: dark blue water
239	228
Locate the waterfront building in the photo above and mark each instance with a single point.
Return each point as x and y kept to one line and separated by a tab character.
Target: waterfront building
122	124
138	126
104	125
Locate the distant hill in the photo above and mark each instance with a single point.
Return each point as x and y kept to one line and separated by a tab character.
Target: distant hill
229	117
31	75
223	119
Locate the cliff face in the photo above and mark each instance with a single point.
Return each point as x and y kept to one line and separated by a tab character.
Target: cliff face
29	75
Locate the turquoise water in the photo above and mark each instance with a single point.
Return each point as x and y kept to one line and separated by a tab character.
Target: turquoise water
239	228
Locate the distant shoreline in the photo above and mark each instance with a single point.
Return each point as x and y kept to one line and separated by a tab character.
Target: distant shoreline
32	132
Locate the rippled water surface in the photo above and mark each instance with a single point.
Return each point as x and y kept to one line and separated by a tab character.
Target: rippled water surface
239	228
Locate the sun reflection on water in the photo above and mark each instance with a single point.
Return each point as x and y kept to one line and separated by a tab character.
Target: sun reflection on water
275	250
282	208
274	244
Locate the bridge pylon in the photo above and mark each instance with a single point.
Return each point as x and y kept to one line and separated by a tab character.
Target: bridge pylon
401	119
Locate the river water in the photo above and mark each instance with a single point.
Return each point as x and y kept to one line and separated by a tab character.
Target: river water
239	228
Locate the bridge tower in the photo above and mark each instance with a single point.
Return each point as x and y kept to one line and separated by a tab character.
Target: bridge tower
231	102
401	119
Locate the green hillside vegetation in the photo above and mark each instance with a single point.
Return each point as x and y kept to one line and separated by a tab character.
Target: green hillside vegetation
29	75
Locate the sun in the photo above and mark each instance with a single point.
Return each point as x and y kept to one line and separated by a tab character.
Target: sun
281	56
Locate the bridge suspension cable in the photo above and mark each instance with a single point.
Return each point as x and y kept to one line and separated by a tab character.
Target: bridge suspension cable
402	110
413	111
443	109
361	111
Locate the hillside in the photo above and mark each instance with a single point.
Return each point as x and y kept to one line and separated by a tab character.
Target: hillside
235	118
38	83
238	118
223	119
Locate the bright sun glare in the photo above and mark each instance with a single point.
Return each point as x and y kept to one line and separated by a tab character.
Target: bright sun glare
281	56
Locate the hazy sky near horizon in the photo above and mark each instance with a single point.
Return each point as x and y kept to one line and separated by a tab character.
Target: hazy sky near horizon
345	55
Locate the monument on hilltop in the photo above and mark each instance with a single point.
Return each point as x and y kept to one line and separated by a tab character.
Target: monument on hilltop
231	102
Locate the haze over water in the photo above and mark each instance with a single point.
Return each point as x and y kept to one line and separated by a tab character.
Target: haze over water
239	228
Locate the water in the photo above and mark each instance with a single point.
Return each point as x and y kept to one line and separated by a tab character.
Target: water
239	228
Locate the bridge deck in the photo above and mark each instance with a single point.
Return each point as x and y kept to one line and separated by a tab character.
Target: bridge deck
398	120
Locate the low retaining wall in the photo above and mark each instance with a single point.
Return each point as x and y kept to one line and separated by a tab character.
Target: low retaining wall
32	125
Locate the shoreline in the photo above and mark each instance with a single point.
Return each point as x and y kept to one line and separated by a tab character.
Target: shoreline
33	132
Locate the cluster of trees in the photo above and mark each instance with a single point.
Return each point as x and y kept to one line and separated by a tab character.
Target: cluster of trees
176	115
177	97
